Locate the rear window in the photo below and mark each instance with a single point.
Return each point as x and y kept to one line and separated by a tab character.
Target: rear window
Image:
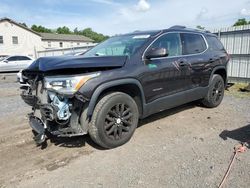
192	43
23	58
214	43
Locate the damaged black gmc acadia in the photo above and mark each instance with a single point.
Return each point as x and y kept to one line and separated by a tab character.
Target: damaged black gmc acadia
105	91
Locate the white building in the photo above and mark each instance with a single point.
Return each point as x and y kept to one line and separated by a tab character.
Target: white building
55	41
16	39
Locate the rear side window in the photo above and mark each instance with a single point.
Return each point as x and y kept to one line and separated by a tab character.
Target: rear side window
23	58
192	43
214	43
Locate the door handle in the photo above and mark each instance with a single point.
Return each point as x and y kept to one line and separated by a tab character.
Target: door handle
211	60
182	63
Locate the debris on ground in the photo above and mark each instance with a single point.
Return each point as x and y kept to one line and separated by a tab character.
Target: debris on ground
245	89
237	149
3	77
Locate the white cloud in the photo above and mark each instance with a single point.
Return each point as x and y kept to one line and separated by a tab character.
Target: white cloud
142	5
203	13
245	12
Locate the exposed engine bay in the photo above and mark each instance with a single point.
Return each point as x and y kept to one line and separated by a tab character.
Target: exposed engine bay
53	112
52	87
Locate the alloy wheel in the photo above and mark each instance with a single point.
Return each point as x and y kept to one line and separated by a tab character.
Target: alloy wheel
217	92
118	121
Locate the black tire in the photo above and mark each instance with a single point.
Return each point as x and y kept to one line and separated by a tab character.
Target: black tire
215	93
114	120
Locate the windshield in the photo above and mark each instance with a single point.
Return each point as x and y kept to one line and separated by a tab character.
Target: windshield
118	46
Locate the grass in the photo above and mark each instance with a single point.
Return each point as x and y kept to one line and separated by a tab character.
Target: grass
235	90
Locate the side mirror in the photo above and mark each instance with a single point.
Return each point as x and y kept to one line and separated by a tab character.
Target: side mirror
156	53
5	61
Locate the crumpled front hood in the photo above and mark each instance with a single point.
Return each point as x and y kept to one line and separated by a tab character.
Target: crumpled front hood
74	62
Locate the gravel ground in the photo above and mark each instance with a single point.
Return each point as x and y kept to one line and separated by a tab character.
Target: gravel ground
188	146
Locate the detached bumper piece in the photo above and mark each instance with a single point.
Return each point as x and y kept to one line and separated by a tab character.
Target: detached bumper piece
31	100
38	129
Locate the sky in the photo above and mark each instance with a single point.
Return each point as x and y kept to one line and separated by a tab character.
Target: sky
122	16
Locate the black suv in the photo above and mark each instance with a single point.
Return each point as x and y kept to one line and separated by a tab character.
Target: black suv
105	91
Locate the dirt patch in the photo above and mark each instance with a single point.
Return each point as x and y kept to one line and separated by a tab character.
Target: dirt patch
238	90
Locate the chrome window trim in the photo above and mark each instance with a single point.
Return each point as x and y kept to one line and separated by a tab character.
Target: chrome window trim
178	32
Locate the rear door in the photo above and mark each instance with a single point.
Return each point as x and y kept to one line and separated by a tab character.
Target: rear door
23	62
194	51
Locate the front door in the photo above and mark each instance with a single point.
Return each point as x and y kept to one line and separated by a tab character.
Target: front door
169	75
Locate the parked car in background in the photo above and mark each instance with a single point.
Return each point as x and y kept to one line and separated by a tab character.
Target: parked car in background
14	63
2	57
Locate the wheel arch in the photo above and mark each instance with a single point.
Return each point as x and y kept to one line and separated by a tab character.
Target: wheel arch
220	70
132	87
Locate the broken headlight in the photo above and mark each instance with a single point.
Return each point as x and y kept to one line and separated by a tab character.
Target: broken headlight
67	84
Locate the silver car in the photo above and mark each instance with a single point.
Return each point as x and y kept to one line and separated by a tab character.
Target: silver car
14	63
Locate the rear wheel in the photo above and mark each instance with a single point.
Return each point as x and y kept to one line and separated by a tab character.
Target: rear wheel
114	120
215	93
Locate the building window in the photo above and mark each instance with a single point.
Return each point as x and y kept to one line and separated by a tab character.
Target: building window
1	39
14	40
61	44
49	44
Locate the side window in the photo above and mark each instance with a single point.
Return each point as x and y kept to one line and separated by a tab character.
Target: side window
214	43
1	39
23	58
14	40
170	41
192	43
14	58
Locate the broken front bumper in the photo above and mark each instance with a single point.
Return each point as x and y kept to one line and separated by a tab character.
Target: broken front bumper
59	117
38	127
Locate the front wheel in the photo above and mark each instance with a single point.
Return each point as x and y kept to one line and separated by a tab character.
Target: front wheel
114	120
215	93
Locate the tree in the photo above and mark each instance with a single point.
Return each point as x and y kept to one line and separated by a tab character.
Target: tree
200	27
97	37
76	31
63	30
88	32
24	24
241	21
41	29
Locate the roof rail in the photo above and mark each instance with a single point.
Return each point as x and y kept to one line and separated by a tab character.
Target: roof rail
178	27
